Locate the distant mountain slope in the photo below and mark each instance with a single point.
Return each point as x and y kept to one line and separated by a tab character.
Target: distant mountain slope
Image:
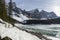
42	14
48	15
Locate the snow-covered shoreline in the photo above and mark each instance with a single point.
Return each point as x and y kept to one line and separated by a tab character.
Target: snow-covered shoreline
16	34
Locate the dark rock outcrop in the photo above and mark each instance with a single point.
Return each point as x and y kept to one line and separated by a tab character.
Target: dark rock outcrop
6	38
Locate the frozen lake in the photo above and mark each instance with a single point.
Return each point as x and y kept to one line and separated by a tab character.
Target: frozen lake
51	30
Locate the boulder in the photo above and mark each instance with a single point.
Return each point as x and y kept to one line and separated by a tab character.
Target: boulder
6	38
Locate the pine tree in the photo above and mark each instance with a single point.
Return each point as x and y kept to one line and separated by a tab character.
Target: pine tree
2	9
3	13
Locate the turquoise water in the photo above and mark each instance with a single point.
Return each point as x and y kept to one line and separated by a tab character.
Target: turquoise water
51	30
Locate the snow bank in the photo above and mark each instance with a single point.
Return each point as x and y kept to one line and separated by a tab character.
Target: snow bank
16	34
53	38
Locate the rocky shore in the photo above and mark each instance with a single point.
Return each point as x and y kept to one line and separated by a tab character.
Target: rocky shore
39	35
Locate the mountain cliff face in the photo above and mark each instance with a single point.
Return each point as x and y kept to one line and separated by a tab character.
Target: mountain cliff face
48	15
36	14
42	14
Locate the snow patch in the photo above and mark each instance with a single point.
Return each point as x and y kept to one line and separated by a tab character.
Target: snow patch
21	18
53	38
16	34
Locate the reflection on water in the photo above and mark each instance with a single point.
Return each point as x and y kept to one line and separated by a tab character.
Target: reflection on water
52	30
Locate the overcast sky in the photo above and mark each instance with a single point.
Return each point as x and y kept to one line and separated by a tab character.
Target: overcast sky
47	5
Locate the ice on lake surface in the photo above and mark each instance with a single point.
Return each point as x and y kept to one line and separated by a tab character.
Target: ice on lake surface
52	29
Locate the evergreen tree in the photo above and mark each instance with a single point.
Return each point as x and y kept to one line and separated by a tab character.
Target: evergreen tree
3	13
